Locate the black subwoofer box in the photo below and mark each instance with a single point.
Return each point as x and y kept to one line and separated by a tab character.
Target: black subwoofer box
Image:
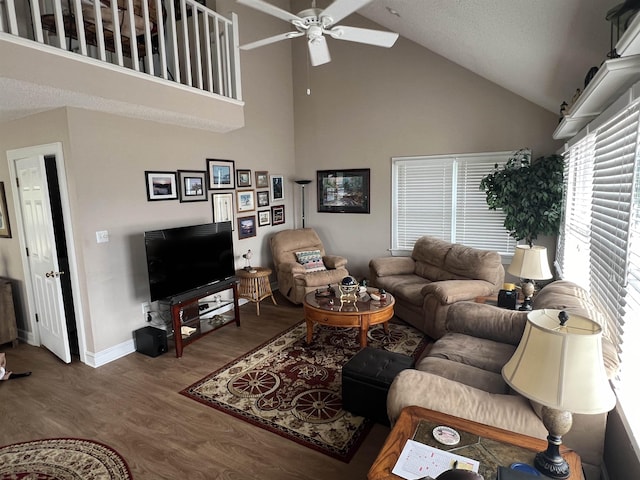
151	341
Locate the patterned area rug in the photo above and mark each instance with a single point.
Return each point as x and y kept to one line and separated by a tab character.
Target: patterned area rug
294	390
62	459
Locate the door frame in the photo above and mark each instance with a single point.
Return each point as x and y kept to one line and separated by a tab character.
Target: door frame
51	149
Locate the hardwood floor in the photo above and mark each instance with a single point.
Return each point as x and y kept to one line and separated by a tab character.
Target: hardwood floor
133	405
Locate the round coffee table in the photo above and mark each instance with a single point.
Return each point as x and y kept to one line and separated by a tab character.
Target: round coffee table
360	312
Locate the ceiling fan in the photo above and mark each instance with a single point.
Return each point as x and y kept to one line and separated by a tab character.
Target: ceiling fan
316	22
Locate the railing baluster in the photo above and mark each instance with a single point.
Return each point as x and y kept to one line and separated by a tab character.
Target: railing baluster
161	45
37	22
57	12
185	41
198	50
227	54
133	41
97	8
218	57
13	21
82	40
234	60
117	39
148	47
174	41
207	45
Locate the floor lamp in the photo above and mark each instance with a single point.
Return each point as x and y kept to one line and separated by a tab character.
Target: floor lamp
302	183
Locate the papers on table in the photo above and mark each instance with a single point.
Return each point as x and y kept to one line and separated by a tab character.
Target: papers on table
418	460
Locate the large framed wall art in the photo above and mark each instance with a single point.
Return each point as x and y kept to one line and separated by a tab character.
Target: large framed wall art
344	191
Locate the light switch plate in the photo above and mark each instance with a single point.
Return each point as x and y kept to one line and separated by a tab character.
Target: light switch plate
102	236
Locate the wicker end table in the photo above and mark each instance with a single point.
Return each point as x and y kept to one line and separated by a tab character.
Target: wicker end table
254	285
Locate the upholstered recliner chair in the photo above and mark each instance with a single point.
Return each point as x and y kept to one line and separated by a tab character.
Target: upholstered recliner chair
301	264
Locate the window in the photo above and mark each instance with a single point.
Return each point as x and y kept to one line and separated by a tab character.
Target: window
440	196
604	168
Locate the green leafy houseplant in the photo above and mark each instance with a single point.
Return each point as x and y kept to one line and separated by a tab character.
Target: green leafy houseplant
529	193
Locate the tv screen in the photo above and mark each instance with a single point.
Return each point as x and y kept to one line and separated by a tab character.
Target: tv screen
183	259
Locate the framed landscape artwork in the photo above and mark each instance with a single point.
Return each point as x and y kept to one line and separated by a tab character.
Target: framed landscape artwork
343	191
244	178
192	185
246	227
221	174
263	198
262	179
264	218
245	200
161	186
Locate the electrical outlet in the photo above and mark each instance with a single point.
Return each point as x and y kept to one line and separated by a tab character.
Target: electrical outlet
146	308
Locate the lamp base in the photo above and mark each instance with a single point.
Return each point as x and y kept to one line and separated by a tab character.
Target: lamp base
526	305
552	467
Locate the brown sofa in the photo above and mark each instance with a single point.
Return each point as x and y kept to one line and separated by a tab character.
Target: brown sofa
461	373
435	276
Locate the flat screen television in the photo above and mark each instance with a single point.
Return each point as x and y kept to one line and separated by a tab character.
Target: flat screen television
186	260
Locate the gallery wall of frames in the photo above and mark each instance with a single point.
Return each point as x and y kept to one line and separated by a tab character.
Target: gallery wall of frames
255	199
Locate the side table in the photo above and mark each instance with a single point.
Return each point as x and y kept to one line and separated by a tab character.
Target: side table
254	285
491	446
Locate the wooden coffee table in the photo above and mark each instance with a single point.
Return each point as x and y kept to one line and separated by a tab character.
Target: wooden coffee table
360	312
492	446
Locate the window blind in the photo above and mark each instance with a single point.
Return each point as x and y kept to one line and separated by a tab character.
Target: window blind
440	196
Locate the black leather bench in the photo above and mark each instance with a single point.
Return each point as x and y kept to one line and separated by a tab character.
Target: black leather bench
366	379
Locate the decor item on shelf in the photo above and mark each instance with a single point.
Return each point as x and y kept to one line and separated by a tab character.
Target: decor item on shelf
529	263
302	183
590	74
315	23
564	108
247	257
559	365
539	182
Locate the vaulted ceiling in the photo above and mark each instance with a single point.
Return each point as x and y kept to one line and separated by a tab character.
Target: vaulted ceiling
538	49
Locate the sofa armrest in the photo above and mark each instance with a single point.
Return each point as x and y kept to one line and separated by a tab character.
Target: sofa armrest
451	291
486	321
385	266
291	267
334	261
424	389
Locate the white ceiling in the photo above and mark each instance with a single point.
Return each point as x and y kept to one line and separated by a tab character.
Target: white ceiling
538	49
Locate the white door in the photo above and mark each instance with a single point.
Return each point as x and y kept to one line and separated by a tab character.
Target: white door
42	255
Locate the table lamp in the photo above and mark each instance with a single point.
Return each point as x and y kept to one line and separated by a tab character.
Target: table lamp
529	263
559	365
302	183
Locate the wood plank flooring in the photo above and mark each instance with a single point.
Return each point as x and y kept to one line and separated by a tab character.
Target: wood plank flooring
133	405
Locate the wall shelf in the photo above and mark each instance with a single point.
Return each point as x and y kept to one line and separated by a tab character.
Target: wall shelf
614	77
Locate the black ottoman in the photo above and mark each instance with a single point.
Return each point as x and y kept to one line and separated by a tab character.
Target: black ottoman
366	379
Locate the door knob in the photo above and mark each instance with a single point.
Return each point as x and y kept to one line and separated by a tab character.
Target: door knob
53	274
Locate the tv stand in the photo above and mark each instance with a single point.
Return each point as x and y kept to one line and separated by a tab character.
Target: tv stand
198	322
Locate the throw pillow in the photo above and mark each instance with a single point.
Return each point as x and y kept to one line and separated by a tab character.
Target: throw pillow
311	260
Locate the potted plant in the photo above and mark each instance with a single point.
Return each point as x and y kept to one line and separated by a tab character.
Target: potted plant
529	193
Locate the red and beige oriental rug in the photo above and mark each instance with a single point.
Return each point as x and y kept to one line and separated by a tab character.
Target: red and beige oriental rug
294	390
62	459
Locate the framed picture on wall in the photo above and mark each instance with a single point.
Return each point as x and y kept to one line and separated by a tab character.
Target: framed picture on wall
246	227
277	215
5	229
221	174
263	198
264	218
244	178
262	179
277	188
222	205
161	185
246	201
343	191
192	185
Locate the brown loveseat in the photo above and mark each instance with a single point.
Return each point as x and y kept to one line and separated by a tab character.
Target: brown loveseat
435	276
461	373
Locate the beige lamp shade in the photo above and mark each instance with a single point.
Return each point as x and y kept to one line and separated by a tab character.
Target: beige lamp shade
530	263
561	367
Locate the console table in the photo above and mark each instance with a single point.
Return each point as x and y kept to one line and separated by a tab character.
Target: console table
491	446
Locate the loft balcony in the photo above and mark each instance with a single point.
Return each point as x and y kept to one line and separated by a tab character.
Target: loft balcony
171	61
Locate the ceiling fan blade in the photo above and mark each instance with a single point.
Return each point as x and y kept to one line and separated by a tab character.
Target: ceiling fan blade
271	10
267	41
364	35
340	9
318	51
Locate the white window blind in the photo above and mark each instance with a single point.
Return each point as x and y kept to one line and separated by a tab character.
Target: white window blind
440	196
613	176
575	232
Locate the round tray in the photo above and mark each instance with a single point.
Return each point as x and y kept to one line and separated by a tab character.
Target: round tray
446	435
